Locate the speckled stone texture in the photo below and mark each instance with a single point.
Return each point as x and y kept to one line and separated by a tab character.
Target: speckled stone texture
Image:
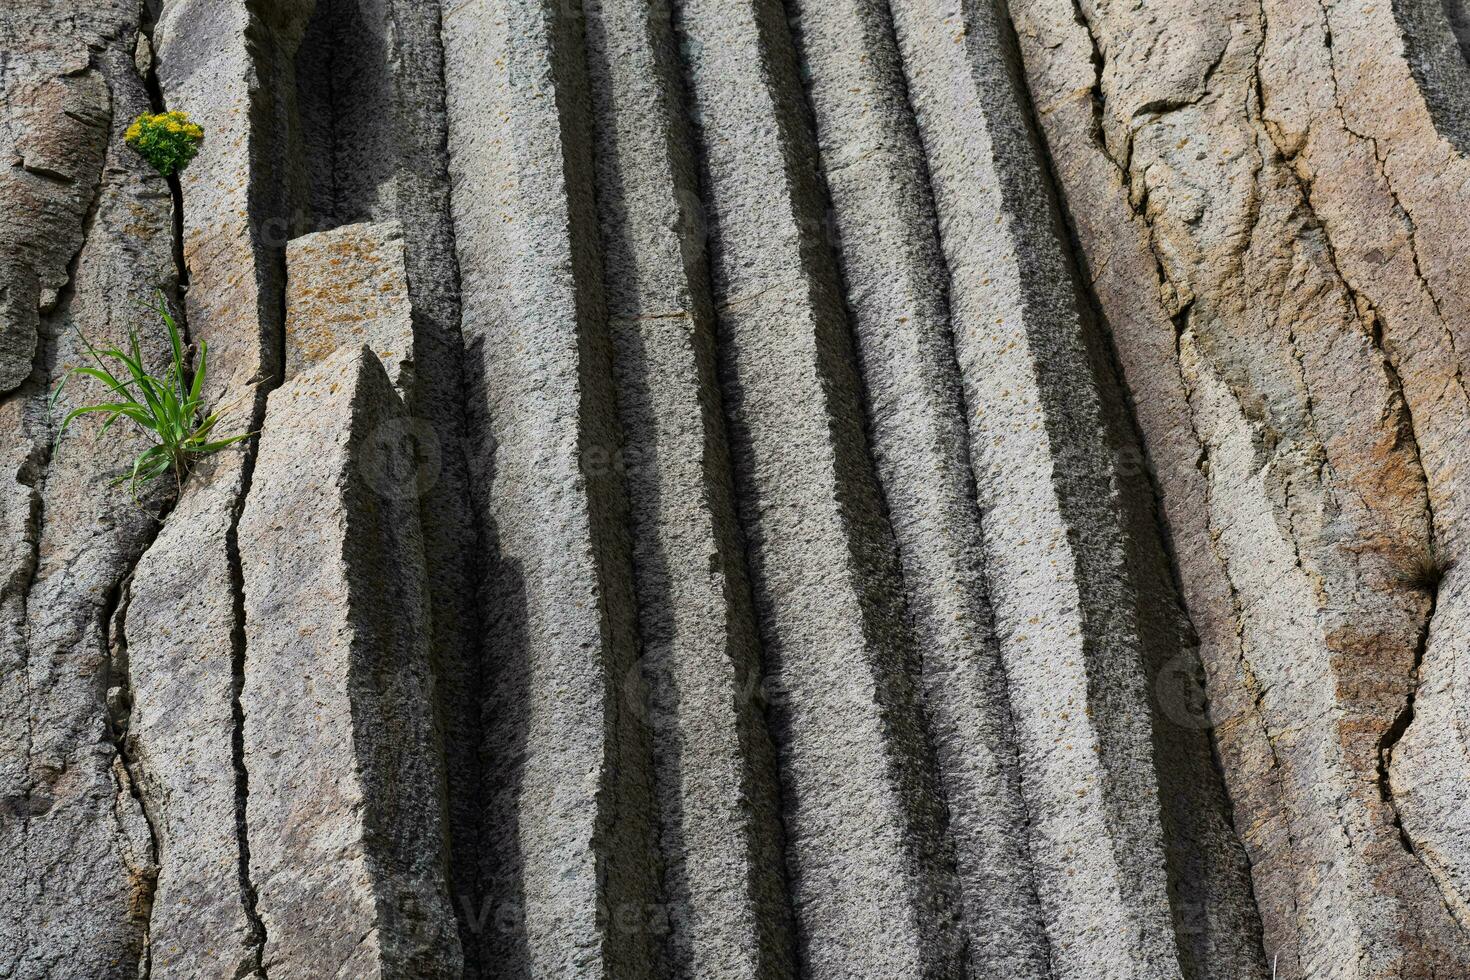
86	234
834	489
183	623
345	288
55	126
346	806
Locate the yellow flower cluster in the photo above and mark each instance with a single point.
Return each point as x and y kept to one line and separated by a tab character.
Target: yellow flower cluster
168	140
173	122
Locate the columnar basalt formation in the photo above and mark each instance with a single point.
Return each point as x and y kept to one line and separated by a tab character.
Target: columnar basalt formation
349	861
850	731
568	855
832	489
718	800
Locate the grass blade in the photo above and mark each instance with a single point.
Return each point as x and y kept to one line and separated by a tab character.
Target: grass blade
198	384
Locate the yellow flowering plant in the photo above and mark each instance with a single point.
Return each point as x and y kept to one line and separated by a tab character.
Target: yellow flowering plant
167	140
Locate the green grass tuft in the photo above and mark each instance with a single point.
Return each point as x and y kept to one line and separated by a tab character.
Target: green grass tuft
169	409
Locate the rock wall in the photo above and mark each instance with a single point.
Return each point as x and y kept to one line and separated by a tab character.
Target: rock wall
743	489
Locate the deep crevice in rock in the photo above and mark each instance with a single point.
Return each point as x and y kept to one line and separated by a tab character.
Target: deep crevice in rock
112	623
343	96
155	97
248	895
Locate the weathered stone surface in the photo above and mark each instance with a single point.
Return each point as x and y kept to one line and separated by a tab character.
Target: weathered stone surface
1055	535
56	120
1271	392
1369	108
920	489
224	62
345	288
77	878
571	877
180	621
856	765
371	96
893	271
348	854
716	777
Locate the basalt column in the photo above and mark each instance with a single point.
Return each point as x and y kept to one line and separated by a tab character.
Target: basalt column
370	102
848	721
346	807
230	64
569	860
715	769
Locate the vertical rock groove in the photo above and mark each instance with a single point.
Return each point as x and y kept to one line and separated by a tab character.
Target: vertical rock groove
119	709
716	781
895	278
570	852
249	896
855	760
370	81
1063	566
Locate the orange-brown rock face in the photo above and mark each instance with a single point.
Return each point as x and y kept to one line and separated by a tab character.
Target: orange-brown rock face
1250	190
860	489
